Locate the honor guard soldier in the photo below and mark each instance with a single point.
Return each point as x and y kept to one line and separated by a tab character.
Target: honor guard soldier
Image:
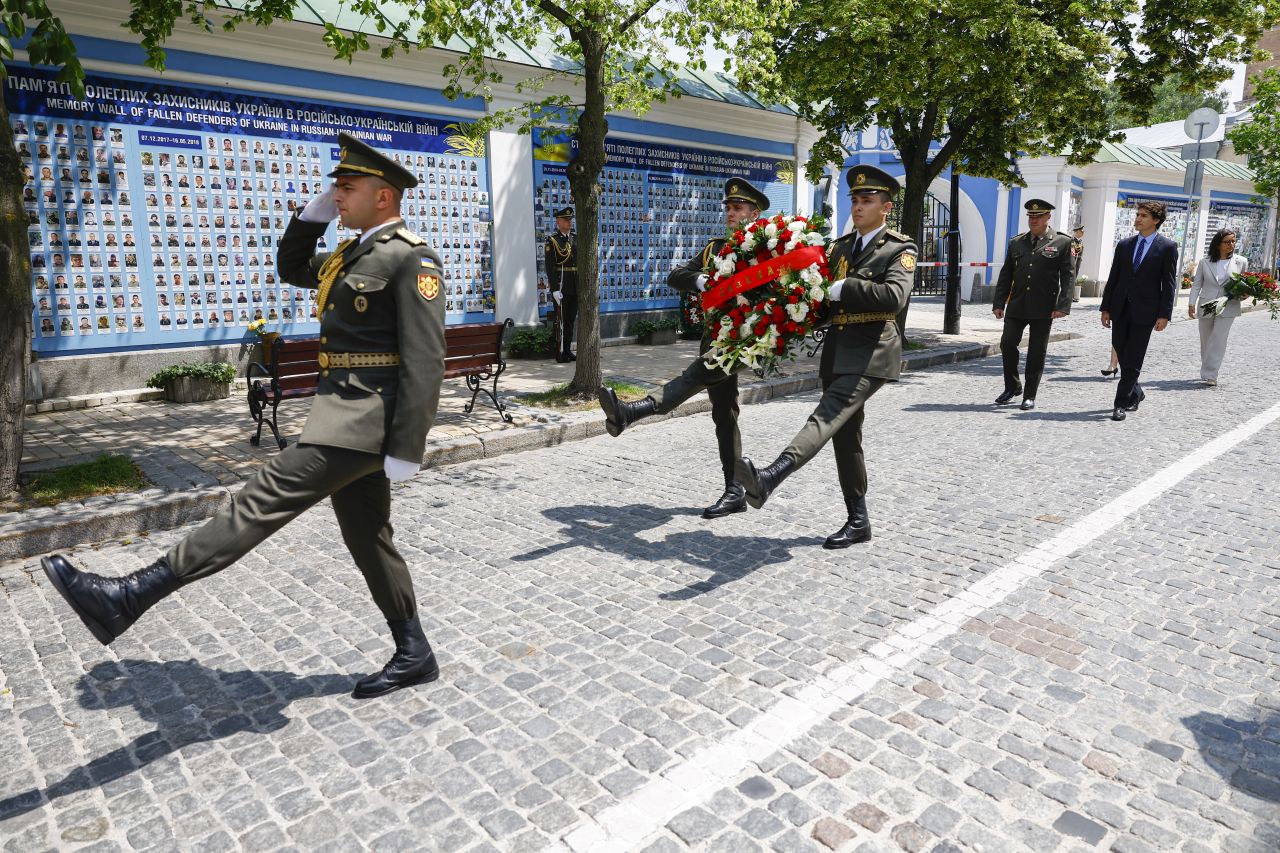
872	270
381	362
1077	255
562	276
1034	289
741	202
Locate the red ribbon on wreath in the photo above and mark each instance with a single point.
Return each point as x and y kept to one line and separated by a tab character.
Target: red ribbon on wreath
762	273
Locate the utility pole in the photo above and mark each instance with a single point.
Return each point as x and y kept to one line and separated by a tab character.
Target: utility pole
951	315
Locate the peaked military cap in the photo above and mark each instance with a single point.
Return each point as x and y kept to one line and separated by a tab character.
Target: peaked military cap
1037	207
564	213
363	161
740	189
866	179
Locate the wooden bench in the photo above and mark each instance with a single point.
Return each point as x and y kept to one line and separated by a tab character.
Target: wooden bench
473	351
294	373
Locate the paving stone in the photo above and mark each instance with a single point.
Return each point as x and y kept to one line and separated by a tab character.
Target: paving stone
832	833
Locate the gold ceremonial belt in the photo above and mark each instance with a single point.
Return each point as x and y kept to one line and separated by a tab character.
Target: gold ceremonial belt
358	359
568	269
843	319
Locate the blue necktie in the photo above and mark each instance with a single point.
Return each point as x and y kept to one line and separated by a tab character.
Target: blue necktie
1141	253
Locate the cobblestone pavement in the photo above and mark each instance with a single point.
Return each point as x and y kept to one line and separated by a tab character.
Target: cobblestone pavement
1064	636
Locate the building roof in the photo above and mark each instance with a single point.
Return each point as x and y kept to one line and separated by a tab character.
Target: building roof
711	85
1170	134
1158	158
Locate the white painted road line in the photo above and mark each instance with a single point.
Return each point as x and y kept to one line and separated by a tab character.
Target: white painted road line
628	825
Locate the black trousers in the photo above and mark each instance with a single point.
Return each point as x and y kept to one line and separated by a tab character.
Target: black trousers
1130	341
567	314
722	388
1036	349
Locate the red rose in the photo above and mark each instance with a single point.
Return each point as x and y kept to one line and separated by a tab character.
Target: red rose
742	265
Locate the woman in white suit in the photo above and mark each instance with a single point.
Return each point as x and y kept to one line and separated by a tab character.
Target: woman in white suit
1211	274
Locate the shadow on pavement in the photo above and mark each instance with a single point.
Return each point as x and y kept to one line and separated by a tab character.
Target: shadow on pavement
616	529
1038	415
188	703
1245	753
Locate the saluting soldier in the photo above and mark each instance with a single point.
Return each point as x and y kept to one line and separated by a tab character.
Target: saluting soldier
381	362
742	201
873	269
562	277
1034	289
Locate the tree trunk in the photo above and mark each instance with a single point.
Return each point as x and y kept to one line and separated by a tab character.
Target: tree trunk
15	306
584	182
914	189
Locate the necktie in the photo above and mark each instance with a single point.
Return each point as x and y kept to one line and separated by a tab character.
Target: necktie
857	247
1141	253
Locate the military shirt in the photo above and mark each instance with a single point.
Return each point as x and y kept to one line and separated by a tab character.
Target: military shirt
386	299
561	263
877	281
1036	277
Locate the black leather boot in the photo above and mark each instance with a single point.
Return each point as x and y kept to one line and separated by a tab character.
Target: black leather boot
619	415
733	500
761	482
856	529
412	663
108	606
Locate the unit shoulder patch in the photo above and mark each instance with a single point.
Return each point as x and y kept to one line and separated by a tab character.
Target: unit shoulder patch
428	286
908	261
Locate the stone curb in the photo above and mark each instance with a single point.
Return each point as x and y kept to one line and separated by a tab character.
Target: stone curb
44	529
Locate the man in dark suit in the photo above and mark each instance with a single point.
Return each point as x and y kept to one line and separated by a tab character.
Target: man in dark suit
1139	298
872	271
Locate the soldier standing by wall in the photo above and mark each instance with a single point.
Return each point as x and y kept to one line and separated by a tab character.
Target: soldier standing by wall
382	360
562	277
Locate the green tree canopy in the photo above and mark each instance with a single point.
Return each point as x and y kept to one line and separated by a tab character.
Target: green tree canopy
1259	137
1173	102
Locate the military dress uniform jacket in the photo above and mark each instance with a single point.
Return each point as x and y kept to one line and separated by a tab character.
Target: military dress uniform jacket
877	281
1036	277
562	264
685	278
386	299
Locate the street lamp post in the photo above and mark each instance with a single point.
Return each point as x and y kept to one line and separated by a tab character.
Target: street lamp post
951	315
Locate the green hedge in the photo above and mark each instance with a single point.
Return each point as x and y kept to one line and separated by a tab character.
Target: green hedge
218	371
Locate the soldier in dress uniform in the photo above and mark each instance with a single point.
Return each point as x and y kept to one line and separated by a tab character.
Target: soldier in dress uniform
1077	254
742	201
872	270
381	362
1034	289
562	276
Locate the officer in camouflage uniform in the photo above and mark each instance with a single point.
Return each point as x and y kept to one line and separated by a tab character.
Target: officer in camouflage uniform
562	277
382	359
872	270
742	201
1034	289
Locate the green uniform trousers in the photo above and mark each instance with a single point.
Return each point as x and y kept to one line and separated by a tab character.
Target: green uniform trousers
289	484
722	388
838	419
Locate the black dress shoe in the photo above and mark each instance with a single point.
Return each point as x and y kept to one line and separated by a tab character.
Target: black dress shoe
619	415
760	482
570	357
733	500
1117	414
1027	405
1007	396
412	663
108	606
1137	401
562	360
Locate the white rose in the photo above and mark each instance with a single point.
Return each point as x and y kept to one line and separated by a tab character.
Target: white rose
815	239
772	244
811	276
742	300
795	226
816	294
726	266
798	311
771	230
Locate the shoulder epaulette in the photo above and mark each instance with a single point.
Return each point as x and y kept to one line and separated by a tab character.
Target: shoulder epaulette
897	235
409	237
1018	236
844	237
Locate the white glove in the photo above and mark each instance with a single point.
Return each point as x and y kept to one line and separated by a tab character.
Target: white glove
322	208
834	293
701	282
557	296
399	469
